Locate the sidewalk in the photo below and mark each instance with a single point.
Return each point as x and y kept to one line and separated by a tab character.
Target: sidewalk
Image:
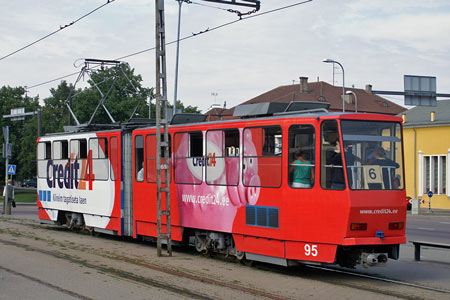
432	212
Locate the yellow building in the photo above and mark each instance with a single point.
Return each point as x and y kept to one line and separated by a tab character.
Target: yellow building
427	153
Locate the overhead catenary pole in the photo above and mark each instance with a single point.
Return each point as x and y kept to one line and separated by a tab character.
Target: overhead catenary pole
162	146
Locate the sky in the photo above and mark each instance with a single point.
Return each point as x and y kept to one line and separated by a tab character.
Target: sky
377	42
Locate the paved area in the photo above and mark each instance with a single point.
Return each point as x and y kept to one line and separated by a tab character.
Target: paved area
87	274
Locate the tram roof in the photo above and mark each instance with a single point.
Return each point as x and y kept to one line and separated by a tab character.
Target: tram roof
288	115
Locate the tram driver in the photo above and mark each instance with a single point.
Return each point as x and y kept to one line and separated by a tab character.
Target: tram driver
387	166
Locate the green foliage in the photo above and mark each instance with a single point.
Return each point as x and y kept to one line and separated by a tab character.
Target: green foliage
123	90
188	109
22	134
55	113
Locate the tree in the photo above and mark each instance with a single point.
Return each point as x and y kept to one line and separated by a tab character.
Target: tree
122	97
188	109
22	134
55	113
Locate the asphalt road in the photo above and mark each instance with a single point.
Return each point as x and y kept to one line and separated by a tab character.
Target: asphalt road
431	228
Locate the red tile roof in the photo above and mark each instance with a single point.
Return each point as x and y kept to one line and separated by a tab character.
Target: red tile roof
322	91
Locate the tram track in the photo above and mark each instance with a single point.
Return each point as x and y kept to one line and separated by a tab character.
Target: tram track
49	285
111	271
385	286
134	261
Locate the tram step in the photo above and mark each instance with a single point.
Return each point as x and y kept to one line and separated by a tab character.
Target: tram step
164	236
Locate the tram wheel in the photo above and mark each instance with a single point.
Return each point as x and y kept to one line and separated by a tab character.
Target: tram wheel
240	255
199	245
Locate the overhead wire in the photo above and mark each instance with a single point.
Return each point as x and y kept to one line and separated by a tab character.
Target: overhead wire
56	31
188	37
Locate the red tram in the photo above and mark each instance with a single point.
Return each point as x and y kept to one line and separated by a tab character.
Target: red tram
311	187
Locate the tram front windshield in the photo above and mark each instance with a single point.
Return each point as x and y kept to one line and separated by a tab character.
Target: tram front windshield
373	155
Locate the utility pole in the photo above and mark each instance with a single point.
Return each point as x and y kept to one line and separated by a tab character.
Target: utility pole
162	146
6	204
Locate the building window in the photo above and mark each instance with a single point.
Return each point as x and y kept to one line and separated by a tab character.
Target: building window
435	174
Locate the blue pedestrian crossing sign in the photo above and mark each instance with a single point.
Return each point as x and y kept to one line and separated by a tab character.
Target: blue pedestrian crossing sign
11	169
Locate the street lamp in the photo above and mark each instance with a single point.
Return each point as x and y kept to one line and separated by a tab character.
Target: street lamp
356	99
177	59
343	80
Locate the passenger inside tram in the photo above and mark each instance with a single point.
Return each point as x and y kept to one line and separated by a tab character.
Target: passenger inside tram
334	160
303	173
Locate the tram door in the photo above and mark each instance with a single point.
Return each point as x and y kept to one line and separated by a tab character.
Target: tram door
127	201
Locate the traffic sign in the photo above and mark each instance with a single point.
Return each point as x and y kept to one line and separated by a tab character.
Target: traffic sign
11	169
421	201
430	194
420	90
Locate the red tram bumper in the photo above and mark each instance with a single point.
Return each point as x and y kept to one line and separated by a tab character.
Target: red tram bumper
392	240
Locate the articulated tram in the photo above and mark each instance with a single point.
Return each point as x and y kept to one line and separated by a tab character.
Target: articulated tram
234	185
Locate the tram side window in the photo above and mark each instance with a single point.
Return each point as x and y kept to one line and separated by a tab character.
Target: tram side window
302	139
222	157
332	170
98	150
78	148
114	158
262	156
188	155
150	157
60	150
139	158
44	153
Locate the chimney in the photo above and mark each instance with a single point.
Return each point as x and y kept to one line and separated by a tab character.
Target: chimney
369	88
433	116
224	104
303	85
404	118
